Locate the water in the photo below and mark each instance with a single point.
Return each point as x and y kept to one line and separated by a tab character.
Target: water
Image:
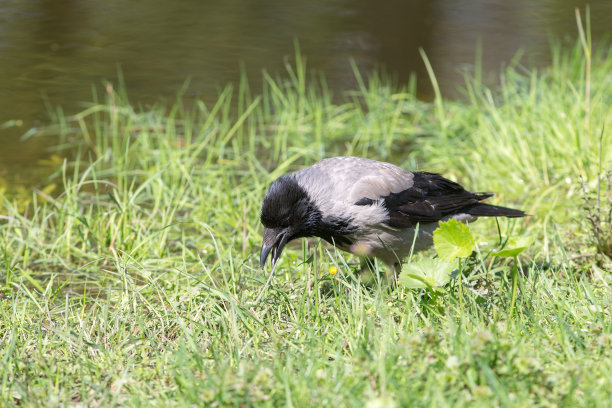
53	51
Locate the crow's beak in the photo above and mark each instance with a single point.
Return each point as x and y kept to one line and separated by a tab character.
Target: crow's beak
274	240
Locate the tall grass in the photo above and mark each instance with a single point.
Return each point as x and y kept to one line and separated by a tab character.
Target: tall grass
531	138
138	283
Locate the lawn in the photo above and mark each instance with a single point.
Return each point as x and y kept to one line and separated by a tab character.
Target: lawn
131	277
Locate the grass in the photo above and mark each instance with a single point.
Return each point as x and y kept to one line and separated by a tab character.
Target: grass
136	284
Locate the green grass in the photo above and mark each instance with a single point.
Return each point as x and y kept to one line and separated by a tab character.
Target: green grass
137	284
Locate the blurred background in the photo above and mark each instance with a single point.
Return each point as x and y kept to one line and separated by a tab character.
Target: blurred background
52	52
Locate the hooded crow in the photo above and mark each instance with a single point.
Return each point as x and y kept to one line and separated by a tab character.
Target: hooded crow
366	207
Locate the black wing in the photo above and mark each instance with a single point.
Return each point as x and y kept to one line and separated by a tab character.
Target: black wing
433	197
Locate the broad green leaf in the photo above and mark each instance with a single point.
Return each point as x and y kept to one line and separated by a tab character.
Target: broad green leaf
453	239
514	246
427	272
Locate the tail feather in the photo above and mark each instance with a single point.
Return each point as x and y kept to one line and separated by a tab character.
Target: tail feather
488	210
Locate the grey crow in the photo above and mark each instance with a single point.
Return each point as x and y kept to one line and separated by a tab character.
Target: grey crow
366	207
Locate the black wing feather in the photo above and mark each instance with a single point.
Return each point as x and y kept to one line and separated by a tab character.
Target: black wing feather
433	197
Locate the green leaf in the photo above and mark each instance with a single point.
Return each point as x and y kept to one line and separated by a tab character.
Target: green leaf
426	273
514	246
453	239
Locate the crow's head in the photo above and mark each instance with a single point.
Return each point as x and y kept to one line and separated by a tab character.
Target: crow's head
287	213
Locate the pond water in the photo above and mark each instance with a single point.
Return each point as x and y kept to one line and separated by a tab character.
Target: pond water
54	51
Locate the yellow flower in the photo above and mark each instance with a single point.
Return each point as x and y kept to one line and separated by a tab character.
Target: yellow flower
333	270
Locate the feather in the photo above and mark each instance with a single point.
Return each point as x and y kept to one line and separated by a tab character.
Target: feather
488	210
431	198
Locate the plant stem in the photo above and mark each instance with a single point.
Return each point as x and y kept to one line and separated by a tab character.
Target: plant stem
514	285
